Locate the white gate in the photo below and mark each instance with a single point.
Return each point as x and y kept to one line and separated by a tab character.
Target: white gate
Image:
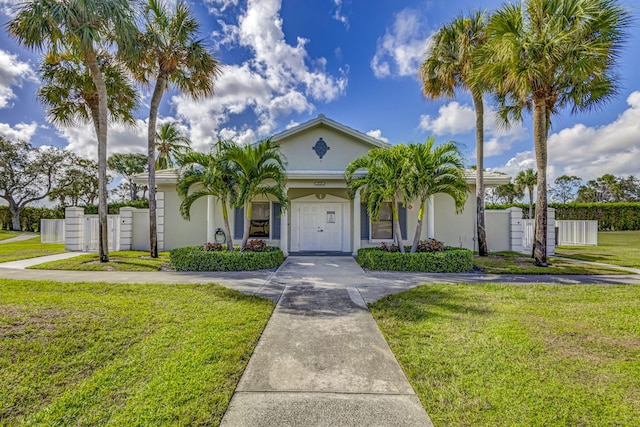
528	227
92	228
52	231
577	233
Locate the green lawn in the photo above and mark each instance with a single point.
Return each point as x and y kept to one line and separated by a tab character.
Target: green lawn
528	355
614	247
103	354
28	249
4	234
118	261
516	263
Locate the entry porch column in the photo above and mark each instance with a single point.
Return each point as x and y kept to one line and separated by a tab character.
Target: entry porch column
284	228
356	223
431	223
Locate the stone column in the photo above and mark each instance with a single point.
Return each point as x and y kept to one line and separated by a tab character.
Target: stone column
356	223
74	229
516	230
431	218
126	228
160	219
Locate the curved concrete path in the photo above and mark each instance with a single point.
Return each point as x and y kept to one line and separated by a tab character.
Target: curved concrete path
20	238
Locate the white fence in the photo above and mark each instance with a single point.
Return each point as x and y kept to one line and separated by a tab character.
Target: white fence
577	233
52	231
528	227
92	228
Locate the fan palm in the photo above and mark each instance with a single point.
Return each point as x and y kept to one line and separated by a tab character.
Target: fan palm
169	143
383	179
544	55
527	179
449	65
259	171
208	175
169	53
83	27
435	170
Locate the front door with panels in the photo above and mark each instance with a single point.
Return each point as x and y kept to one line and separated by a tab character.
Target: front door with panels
320	226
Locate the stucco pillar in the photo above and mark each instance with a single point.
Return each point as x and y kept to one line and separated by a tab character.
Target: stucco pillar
126	228
356	223
515	229
74	229
160	219
431	218
284	228
551	232
211	228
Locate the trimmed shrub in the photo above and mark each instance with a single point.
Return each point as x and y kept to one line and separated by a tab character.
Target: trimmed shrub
451	260
195	258
430	245
216	247
256	245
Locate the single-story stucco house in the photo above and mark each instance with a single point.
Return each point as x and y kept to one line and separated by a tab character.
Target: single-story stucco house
321	217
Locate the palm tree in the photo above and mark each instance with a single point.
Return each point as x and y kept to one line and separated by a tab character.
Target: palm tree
85	28
383	179
450	65
169	143
169	53
259	170
211	175
435	170
544	55
527	179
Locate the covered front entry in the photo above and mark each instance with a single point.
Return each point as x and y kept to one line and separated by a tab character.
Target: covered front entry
320	225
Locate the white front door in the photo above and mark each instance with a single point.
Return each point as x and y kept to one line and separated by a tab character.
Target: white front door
321	226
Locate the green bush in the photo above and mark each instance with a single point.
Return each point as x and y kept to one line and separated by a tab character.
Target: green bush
29	217
195	258
452	260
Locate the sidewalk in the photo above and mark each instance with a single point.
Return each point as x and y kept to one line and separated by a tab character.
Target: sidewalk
20	238
321	359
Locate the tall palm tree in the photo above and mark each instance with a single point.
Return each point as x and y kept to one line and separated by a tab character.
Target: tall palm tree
544	55
169	53
259	170
435	170
169	143
208	175
383	178
85	28
527	179
450	65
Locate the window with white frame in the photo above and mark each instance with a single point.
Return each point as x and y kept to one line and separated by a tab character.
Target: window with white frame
260	220
382	229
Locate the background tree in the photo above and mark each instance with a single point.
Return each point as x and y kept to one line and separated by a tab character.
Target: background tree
449	66
259	171
527	179
208	175
545	55
509	193
565	188
128	165
28	174
435	170
169	144
78	183
609	188
169	53
84	28
383	178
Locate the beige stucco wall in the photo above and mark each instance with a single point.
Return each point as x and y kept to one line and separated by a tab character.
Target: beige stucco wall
178	231
497	224
299	153
455	230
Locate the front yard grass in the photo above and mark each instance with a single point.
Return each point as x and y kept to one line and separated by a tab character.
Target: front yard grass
516	263
614	247
118	261
105	354
28	249
519	355
5	234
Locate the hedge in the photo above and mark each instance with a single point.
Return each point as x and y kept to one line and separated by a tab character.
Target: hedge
29	217
610	216
195	258
452	260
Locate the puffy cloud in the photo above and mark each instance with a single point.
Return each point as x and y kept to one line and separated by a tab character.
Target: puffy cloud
12	73
338	15
121	139
20	132
377	134
277	80
401	50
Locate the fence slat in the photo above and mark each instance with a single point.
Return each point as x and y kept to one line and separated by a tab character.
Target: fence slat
52	231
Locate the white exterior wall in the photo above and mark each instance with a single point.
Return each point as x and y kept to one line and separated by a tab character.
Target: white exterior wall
498	229
73	229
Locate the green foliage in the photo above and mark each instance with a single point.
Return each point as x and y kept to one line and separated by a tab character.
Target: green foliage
29	217
256	245
114	208
452	260
195	258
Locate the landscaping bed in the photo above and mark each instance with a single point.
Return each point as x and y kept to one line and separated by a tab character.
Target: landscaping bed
450	260
197	258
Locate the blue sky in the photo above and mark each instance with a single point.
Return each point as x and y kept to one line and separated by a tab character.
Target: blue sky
355	62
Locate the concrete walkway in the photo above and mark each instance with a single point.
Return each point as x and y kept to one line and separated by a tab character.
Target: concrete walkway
20	238
322	360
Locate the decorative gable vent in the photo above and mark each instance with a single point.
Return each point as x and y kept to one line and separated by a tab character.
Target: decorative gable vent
321	148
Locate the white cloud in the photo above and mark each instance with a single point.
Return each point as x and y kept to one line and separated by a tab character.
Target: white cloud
12	73
9	7
121	139
278	79
338	15
20	132
401	50
377	134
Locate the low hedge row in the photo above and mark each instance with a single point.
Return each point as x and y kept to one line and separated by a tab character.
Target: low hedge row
195	258
452	260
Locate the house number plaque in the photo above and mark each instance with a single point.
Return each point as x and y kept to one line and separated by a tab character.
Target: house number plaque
331	217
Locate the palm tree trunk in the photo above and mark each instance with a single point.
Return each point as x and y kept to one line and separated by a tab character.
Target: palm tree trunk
416	237
396	226
540	144
227	229
158	91
101	132
482	233
247	226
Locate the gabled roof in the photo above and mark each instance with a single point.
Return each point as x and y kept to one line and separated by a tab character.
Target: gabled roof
332	124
